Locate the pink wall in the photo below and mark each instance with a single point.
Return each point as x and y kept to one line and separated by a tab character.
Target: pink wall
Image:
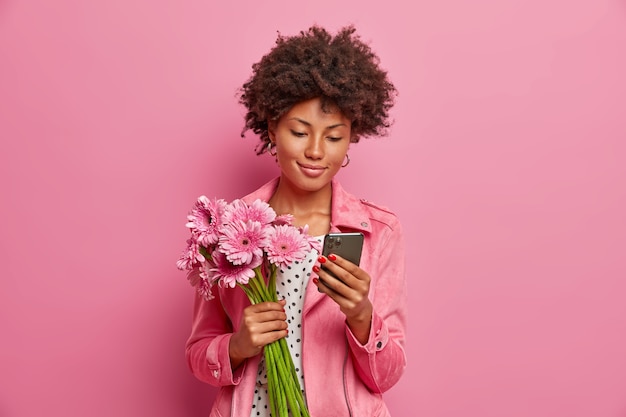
506	165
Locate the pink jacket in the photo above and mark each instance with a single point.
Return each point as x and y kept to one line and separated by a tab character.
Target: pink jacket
342	377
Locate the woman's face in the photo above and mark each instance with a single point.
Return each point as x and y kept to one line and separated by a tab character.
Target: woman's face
311	144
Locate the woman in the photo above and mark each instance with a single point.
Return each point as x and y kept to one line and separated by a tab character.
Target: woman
310	97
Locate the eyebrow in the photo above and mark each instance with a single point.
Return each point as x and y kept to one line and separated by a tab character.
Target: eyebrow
304	122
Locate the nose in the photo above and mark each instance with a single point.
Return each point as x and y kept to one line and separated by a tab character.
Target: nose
314	148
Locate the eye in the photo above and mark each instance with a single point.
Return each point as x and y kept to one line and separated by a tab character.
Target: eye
298	134
334	138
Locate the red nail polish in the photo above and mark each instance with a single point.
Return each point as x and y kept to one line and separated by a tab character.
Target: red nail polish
321	259
315	281
316	268
332	257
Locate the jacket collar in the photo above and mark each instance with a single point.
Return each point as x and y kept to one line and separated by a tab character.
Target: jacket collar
347	211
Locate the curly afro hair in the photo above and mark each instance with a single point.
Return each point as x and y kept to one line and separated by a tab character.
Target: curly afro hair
341	70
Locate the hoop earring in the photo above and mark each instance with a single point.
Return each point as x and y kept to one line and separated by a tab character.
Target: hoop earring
345	164
271	146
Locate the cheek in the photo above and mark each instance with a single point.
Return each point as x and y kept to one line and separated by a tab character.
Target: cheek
285	154
339	154
286	151
339	158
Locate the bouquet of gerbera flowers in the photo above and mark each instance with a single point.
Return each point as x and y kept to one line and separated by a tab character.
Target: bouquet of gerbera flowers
239	244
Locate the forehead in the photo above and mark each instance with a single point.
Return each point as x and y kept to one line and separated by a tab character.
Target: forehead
316	111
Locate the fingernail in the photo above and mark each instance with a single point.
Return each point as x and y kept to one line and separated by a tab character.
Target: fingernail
332	257
316	269
321	259
316	281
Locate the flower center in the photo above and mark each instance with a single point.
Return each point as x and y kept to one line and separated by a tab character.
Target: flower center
208	220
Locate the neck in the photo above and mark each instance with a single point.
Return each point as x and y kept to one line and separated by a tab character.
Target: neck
307	207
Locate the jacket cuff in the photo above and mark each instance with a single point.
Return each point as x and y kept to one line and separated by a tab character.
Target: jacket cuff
218	362
377	340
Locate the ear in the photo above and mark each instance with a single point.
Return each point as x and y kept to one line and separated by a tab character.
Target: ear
271	129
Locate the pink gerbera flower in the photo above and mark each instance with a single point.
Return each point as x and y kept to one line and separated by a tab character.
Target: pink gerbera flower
201	277
283	219
313	241
194	276
191	256
228	274
242	241
204	289
258	211
205	219
206	272
285	245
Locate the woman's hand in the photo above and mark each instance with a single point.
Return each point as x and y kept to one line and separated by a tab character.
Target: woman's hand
349	288
261	324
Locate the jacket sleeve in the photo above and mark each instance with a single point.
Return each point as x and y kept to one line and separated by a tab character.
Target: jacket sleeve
381	361
207	347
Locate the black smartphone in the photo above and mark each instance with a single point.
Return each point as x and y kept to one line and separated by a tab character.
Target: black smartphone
347	245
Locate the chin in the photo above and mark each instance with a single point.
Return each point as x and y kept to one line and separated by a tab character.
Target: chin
310	185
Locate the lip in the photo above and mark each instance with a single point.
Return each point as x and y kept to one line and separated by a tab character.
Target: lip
312	171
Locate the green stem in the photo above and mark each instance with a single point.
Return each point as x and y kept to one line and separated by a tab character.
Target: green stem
286	381
283	408
258	283
284	391
272	380
252	295
271	284
292	375
204	252
287	357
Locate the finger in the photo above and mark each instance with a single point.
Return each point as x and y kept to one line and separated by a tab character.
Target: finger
251	319
331	286
345	290
351	274
272	337
260	334
268	327
267	306
345	265
336	277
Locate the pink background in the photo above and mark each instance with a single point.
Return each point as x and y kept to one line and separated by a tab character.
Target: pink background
506	166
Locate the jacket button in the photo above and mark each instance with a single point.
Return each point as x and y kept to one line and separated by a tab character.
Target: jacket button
364	224
379	345
216	373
